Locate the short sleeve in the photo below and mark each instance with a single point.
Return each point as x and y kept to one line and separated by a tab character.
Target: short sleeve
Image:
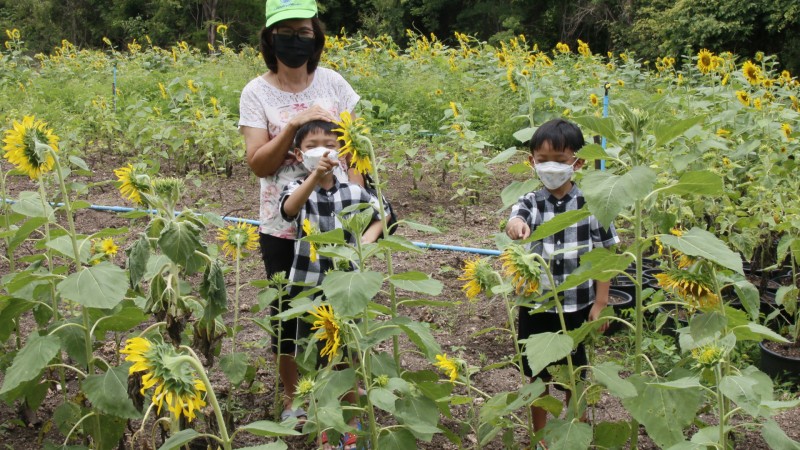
287	191
601	236
251	113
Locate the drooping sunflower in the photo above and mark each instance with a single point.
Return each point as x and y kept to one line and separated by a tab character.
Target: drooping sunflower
182	393
751	72
478	275
238	237
192	87
329	330
177	387
309	230
448	366
523	270
705	61
693	287
133	183
353	134
26	146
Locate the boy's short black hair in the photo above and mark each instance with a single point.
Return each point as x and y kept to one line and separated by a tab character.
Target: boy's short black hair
268	51
561	135
314	126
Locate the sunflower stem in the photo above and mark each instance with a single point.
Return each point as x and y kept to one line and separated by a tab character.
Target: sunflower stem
212	398
637	350
388	253
235	320
517	348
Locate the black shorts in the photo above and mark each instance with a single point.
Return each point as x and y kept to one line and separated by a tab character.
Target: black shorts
548	322
278	255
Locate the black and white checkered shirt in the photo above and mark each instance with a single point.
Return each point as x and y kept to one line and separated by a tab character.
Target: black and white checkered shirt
321	210
540	206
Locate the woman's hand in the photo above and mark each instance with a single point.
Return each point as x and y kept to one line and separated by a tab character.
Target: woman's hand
315	112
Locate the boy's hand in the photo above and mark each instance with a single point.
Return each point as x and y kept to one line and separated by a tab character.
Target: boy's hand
325	166
516	228
594	314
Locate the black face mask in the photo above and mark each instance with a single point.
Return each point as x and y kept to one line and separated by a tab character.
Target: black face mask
294	51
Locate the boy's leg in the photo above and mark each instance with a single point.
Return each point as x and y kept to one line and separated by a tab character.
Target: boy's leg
539	413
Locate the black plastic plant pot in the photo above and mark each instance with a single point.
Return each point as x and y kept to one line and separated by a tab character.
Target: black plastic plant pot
780	366
619	300
674	321
651	273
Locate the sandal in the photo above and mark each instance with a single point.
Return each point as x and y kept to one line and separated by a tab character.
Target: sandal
299	415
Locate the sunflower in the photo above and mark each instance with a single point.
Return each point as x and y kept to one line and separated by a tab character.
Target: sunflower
593	100
222	29
305	386
454	108
328	329
353	135
309	230
133	183
27	146
583	48
523	270
192	87
478	276
705	61
175	386
707	355
751	72
238	237
722	132
448	366
787	130
743	97
562	48
108	247
693	287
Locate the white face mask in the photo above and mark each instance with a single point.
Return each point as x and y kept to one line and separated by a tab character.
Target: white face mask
312	157
554	174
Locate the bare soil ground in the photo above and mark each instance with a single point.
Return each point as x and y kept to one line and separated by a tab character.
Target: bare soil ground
455	328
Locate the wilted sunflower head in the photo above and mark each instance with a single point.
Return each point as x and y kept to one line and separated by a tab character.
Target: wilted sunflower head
355	141
133	182
238	237
694	287
29	145
175	383
522	268
479	277
328	329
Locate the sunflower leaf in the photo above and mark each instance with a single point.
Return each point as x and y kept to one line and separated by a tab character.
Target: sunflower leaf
101	286
701	243
108	392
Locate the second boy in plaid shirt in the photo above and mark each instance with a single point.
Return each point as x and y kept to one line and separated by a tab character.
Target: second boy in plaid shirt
553	147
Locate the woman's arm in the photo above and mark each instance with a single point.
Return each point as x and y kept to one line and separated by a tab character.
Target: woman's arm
264	155
373	232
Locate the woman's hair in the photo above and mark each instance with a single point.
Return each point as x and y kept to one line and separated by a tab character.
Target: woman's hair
268	51
561	135
312	127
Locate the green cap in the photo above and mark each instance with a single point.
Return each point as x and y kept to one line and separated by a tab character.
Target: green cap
278	10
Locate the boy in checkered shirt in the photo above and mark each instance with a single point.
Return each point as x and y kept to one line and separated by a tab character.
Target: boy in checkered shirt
553	147
318	199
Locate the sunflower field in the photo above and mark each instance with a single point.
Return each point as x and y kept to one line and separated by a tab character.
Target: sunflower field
133	313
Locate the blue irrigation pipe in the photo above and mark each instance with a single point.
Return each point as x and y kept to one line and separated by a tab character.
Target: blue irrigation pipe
603	142
126	209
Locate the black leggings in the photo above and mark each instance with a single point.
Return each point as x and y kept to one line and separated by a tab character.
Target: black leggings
278	255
